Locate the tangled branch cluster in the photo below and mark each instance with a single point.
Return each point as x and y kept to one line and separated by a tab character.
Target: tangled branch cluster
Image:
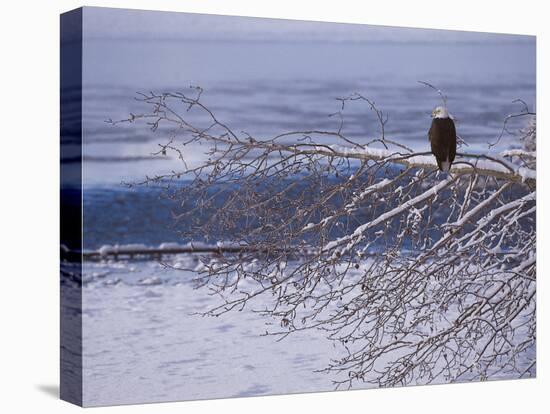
418	277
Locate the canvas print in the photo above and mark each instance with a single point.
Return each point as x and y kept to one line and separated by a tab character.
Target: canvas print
261	206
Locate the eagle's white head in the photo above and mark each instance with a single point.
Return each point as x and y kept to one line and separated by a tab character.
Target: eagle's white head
440	112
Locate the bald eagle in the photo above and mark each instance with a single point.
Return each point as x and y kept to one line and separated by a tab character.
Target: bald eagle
442	137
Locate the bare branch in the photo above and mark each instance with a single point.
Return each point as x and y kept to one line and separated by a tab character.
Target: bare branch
417	276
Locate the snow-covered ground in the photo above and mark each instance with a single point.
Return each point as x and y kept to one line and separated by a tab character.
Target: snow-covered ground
141	343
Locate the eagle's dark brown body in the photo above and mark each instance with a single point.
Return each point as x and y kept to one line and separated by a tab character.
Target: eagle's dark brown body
442	136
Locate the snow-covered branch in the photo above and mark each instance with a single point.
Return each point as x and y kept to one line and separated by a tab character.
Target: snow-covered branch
465	163
416	275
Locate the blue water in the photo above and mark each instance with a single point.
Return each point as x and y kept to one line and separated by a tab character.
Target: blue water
266	88
266	77
269	88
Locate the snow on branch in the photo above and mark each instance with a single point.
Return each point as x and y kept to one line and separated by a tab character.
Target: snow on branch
465	164
415	275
